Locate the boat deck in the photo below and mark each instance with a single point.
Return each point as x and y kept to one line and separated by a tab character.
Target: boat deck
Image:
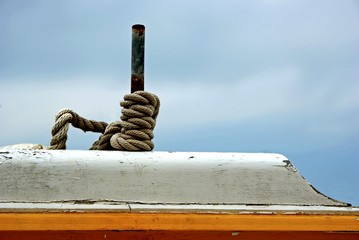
161	195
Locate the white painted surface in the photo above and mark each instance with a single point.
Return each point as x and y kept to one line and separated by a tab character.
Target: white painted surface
164	178
28	146
173	208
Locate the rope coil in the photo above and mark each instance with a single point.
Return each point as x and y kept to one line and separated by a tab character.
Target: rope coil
134	133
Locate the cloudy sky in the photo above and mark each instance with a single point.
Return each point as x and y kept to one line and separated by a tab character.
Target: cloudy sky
241	76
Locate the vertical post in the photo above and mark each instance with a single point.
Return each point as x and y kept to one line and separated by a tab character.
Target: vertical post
138	58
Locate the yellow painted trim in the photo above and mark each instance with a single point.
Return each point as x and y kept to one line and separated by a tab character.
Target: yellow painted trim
176	221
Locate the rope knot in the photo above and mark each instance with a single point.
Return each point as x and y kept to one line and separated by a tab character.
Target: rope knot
134	133
139	113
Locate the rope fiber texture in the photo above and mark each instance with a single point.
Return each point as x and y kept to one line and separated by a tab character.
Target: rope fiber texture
133	133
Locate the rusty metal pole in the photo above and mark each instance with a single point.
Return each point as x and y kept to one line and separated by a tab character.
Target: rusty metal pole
138	58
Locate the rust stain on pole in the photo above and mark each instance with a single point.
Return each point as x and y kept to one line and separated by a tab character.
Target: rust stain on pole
138	58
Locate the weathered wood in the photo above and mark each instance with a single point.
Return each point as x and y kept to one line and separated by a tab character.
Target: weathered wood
162	178
114	206
160	195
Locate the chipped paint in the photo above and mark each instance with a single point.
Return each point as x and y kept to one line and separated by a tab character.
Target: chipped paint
113	206
163	178
290	166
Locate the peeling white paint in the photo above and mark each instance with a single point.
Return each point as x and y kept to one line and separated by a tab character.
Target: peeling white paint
163	178
173	208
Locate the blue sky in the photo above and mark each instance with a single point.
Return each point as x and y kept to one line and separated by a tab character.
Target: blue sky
242	76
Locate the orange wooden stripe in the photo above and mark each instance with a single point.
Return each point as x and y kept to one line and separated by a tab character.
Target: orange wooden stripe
175	235
177	221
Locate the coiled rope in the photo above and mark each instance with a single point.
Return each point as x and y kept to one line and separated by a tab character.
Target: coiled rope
134	133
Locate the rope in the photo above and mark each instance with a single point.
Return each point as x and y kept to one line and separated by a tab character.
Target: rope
134	133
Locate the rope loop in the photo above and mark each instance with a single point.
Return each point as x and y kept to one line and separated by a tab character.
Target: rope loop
133	133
